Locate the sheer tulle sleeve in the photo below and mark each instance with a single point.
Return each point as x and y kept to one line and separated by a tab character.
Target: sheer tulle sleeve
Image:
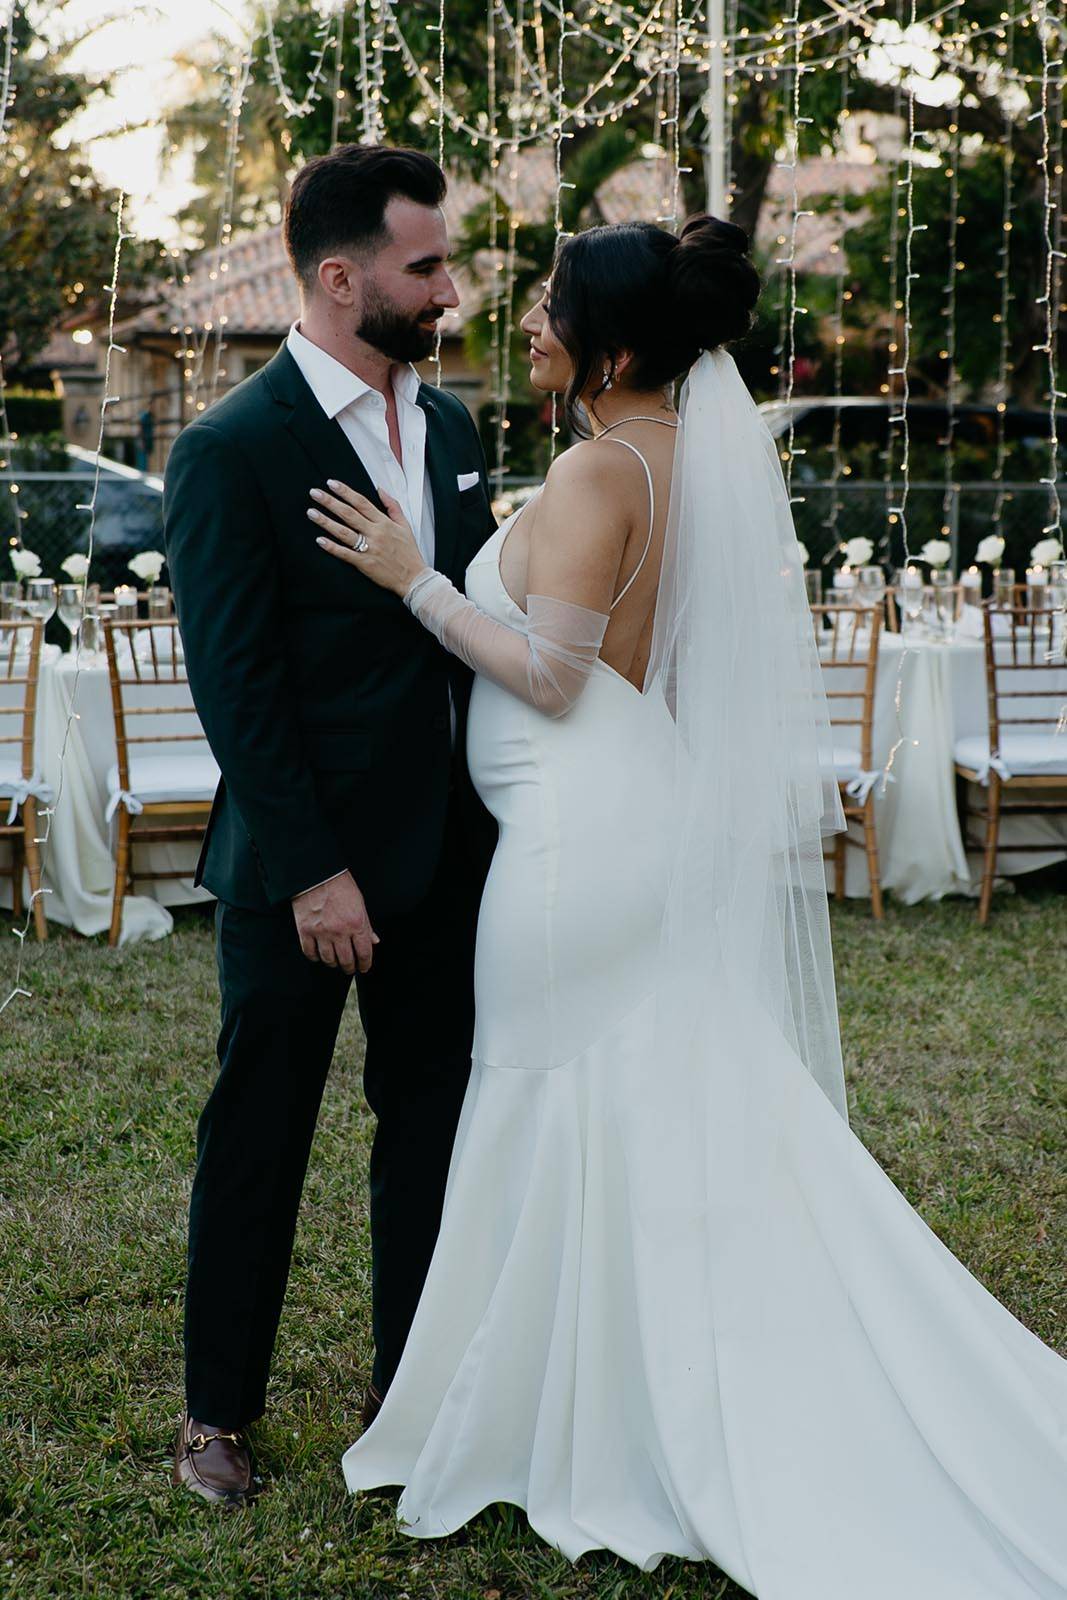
547	665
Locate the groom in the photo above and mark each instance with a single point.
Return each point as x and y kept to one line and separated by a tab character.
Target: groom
346	839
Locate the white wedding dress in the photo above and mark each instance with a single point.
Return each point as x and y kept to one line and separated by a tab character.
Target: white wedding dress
650	1339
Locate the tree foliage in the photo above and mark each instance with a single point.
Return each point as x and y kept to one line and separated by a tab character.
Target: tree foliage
57	223
760	121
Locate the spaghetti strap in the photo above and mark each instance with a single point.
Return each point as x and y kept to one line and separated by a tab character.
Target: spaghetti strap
651	518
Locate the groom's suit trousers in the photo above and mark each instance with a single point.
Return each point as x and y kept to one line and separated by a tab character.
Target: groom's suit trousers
280	1018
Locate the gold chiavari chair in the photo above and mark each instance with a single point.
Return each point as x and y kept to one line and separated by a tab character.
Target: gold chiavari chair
156	774
1026	747
20	785
848	650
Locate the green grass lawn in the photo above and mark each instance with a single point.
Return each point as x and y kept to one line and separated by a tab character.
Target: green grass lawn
954	1042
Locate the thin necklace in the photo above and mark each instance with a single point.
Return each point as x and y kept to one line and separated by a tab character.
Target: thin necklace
661	420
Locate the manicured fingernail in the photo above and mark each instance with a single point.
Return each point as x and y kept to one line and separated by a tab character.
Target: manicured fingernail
325	543
316	516
316	494
332	483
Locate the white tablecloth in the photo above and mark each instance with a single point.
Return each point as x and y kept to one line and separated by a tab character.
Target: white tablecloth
79	865
941	690
928	695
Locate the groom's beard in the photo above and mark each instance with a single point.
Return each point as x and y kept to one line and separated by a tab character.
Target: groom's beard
397	334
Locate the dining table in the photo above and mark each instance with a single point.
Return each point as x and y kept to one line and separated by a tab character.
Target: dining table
930	692
75	754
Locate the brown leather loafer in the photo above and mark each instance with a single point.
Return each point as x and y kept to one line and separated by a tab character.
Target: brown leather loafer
372	1404
212	1463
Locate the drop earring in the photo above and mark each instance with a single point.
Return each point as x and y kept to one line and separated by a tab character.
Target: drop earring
607	378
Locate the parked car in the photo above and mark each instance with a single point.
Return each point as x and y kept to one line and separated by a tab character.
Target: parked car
128	511
962	503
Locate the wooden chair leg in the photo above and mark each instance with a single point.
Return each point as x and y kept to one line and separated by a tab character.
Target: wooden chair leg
33	867
17	903
122	869
992	836
839	866
870	840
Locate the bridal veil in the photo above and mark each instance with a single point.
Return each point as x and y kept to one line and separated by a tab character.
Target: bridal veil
753	790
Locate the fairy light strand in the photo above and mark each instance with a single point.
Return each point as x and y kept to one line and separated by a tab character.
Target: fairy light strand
496	264
1050	276
836	461
892	260
1003	315
559	135
292	106
949	514
7	92
216	319
508	296
901	419
797	121
7	456
338	93
439	28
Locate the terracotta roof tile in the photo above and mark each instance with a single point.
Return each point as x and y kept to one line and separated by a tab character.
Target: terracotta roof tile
258	295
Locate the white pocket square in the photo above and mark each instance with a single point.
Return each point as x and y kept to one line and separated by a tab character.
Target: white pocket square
466	480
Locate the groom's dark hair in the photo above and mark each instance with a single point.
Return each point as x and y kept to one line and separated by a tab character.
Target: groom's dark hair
337	201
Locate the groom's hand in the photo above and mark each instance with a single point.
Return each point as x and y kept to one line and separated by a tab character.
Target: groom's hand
333	925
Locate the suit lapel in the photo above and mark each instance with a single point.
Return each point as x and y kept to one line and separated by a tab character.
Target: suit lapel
441	465
321	437
326	444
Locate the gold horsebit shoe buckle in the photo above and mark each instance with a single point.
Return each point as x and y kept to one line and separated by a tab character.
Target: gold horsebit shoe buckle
200	1441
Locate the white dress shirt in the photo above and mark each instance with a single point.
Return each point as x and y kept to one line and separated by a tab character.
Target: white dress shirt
360	410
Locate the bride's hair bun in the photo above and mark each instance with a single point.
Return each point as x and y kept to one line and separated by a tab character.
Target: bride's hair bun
636	287
713	284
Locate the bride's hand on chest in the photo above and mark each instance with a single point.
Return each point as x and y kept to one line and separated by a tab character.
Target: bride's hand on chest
380	544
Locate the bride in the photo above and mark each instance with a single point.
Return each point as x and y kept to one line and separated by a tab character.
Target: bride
675	1307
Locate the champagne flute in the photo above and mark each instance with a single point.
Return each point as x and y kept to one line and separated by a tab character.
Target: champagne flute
11	600
71	602
911	594
41	599
943	586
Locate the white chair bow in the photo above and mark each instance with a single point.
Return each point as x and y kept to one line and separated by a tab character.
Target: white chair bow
123	797
20	790
859	787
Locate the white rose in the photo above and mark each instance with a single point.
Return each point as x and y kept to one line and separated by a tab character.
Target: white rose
990	550
147	566
76	567
1046	550
936	551
803	549
26	563
858	552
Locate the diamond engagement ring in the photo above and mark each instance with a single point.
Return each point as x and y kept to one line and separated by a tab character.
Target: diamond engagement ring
361	544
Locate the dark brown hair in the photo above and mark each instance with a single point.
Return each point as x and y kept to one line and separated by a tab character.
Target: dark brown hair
635	286
337	201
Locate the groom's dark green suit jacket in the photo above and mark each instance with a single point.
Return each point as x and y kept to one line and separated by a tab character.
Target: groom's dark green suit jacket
325	703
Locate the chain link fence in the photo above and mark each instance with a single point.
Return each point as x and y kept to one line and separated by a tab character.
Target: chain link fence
129	518
48	516
827	514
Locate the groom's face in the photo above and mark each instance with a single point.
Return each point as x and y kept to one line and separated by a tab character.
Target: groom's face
405	287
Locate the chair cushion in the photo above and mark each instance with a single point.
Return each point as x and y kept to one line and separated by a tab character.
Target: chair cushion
157	778
847	763
1024	755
